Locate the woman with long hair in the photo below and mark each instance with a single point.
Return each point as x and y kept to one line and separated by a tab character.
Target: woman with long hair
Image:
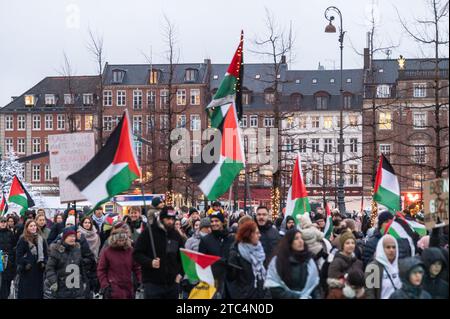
41	222
292	272
31	257
89	232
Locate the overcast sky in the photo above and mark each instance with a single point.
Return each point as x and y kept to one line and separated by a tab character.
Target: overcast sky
34	34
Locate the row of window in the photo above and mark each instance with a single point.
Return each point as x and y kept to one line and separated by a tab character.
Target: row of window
419	90
303	144
385	120
49	123
109	122
419	153
300	122
138	98
21	145
51	99
155	76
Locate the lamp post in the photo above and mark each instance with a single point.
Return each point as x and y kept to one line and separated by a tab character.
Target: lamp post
330	28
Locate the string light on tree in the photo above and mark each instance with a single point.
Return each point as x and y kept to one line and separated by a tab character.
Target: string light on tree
275	199
374	212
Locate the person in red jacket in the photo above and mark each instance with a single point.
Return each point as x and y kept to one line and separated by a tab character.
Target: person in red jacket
116	265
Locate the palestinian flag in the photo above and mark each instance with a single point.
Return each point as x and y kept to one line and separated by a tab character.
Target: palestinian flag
387	188
3	206
328	230
197	266
417	227
19	195
229	90
297	199
112	170
399	228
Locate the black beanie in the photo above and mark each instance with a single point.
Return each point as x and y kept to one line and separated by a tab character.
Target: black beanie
384	217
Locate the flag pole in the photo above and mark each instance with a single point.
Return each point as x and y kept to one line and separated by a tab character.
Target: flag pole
150	220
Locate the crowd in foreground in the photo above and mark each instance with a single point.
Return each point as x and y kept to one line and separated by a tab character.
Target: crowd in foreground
137	255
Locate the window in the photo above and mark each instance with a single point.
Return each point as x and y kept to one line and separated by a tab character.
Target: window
48	122
269	121
21	122
321	102
254	177
181	121
150	123
353	120
190	75
296	99
195	122
78	122
244	121
417	180
348	80
252	145
302	145
253	120
118	76
245	98
151	99
327	174
154	76
88	122
164	122
215	77
36	145
46	145
88	99
137	124
242	176
164	98
420	120
315	178
36	122
107	98
181	97
21	146
195	96
328	145
137	99
332	80
302	122
419	154
315	145
383	91
385	121
385	149
353	180
290	122
36	177
315	121
9	144
314	81
353	145
196	148
121	97
9	123
420	90
327	121
68	99
29	100
48	176
289	144
269	98
60	122
107	123
347	102
257	76
50	99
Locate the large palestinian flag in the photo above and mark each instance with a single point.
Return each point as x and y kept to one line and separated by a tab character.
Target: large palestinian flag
400	228
214	177
19	196
112	170
297	199
197	266
229	90
3	205
328	230
387	188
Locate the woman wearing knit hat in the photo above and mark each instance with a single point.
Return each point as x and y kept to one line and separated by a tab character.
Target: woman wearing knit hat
116	266
65	260
344	261
31	257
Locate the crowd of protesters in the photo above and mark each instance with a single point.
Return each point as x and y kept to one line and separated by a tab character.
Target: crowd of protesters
110	256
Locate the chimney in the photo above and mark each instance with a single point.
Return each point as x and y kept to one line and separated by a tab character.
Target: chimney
207	61
366	58
283	59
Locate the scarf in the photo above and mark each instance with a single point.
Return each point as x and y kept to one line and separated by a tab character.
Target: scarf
39	250
255	255
93	240
391	277
98	220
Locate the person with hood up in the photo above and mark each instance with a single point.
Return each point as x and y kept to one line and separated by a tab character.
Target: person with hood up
292	273
204	229
286	225
246	274
435	264
382	274
116	265
411	273
269	233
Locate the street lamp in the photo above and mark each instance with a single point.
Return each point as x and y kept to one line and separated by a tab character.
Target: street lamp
330	28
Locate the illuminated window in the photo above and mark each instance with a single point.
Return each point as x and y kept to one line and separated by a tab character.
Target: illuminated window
327	122
29	100
385	121
195	96
181	97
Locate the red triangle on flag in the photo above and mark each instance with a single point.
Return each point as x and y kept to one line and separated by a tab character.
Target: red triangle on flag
202	259
231	143
298	186
16	188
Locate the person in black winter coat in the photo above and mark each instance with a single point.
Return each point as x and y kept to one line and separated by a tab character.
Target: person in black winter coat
269	234
246	276
161	272
7	245
31	257
411	273
218	243
64	267
435	264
